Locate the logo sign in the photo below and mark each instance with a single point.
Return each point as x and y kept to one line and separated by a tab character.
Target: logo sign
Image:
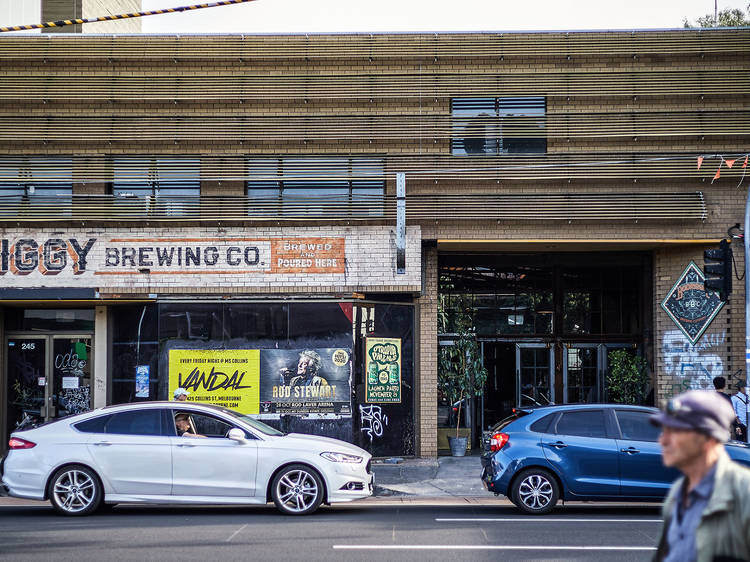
383	370
224	377
690	305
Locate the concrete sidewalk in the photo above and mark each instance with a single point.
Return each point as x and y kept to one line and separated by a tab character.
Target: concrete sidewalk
443	476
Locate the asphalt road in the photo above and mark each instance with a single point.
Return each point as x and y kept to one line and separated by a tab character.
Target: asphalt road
360	531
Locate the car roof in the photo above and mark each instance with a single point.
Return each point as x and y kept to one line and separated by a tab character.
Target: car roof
566	407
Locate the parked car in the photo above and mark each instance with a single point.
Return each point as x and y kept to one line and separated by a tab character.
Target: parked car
132	453
608	452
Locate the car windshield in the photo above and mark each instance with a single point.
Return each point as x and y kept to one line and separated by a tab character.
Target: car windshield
255	424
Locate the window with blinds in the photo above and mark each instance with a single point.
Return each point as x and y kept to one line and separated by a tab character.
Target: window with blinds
317	185
36	181
498	125
170	184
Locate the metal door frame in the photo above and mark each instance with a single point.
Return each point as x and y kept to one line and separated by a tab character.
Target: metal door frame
599	371
601	365
48	338
551	374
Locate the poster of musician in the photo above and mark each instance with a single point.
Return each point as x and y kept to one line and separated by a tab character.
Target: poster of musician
305	381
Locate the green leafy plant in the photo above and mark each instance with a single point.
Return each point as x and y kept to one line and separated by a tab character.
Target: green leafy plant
461	373
627	379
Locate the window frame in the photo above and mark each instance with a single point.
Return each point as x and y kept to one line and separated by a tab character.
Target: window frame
466	110
296	189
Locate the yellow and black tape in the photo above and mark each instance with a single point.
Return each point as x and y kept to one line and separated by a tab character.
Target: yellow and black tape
62	23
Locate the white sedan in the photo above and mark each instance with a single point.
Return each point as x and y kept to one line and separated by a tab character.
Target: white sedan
176	452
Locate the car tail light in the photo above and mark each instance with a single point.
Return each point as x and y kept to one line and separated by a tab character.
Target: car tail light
18	443
498	441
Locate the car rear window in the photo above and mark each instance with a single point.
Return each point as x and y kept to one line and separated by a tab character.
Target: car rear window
517	415
583	423
94	425
542	424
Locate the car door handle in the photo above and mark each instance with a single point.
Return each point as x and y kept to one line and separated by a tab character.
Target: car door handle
630	450
186	444
103	443
557	445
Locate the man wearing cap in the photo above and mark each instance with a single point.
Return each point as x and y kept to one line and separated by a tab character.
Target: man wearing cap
181	394
707	511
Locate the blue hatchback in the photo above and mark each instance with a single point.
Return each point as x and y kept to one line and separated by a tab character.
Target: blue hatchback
606	452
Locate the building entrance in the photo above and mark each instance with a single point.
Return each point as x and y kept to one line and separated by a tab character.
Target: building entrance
526	374
48	376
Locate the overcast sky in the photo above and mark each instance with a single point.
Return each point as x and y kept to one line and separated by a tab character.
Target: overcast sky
295	16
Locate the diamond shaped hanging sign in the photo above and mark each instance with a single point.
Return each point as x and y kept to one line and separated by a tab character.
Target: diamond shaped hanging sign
690	305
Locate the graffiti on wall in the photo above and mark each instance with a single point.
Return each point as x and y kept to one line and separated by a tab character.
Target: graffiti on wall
692	366
373	421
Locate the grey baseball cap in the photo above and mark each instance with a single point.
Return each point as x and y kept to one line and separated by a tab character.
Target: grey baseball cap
181	391
698	410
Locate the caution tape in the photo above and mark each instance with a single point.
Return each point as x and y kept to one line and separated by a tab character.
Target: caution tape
62	23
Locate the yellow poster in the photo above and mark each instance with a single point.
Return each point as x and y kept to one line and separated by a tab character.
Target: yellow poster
224	377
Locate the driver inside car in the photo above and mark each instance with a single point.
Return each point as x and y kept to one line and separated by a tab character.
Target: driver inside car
184	427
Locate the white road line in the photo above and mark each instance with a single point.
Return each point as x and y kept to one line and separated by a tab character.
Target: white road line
236	532
484	547
547	520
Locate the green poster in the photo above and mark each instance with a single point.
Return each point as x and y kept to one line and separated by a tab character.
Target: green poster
382	370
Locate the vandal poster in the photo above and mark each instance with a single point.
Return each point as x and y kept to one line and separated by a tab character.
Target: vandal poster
225	377
306	381
383	370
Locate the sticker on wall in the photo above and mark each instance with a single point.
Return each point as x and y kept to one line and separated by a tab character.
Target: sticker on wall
224	377
690	305
383	368
142	376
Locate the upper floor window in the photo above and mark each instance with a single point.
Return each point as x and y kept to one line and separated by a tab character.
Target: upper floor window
170	185
36	181
317	185
498	125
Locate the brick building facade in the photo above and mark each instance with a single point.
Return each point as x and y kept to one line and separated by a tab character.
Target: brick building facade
550	179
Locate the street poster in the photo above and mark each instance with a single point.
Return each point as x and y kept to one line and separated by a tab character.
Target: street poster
305	381
383	370
142	376
224	377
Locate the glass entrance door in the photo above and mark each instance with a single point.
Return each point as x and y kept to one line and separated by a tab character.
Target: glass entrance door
48	376
585	367
27	379
69	391
581	374
534	374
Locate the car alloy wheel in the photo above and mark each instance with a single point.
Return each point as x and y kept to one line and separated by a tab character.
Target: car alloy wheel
535	491
75	490
297	490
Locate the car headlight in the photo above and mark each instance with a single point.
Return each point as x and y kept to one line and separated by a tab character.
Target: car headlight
341	457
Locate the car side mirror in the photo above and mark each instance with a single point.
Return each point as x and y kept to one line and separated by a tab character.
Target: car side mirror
236	434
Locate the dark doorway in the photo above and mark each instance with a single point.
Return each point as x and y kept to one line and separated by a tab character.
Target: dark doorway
500	390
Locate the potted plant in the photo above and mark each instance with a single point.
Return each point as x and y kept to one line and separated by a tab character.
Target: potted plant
461	373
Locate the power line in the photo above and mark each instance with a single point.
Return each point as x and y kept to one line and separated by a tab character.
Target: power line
62	23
